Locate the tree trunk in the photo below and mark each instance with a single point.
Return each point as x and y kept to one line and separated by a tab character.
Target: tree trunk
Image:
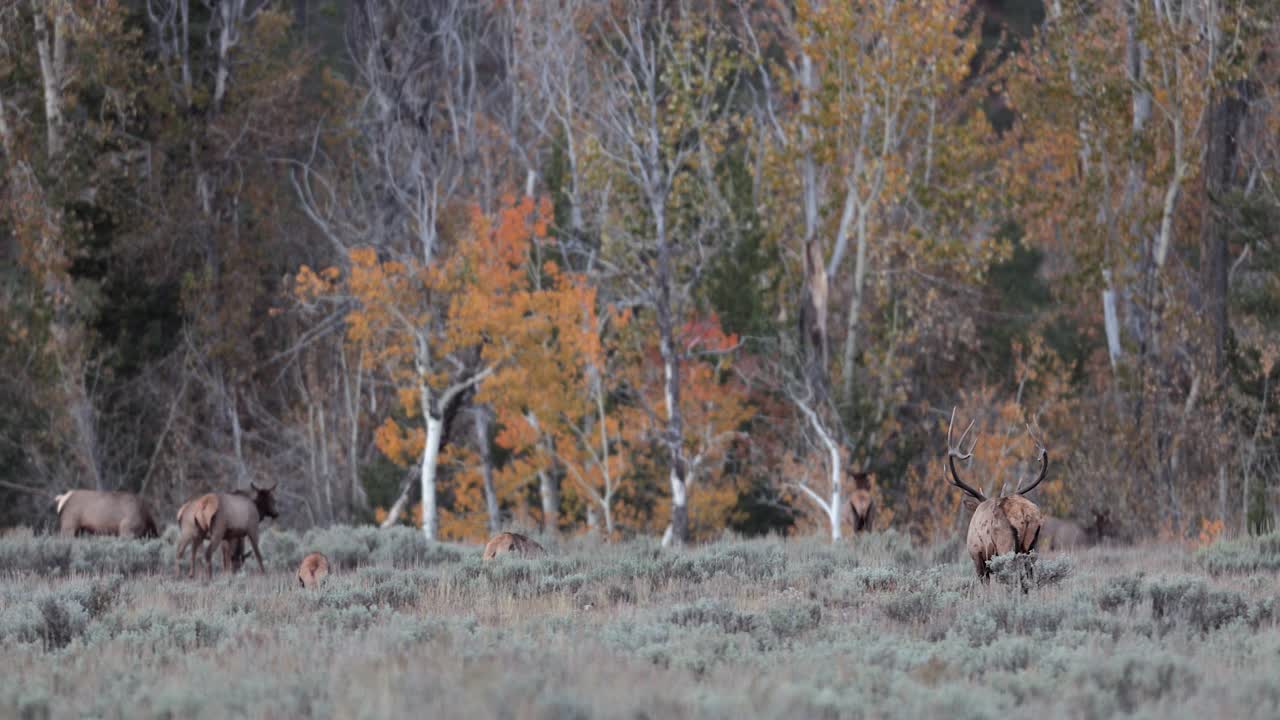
52	51
1226	113
393	515
855	310
486	470
813	318
226	40
674	430
430	455
549	491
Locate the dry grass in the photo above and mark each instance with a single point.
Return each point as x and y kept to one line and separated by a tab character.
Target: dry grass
874	628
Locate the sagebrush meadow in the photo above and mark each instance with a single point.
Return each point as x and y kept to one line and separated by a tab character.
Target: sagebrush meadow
875	628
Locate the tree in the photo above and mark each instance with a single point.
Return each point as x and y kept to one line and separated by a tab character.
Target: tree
663	74
442	329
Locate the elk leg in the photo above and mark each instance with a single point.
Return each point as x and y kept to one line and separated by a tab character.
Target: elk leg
215	542
253	540
195	548
183	542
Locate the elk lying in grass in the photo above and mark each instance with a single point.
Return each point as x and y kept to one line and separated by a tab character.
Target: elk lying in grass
999	525
104	513
313	569
862	503
511	543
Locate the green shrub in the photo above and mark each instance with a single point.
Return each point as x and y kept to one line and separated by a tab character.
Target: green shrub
1241	555
1120	591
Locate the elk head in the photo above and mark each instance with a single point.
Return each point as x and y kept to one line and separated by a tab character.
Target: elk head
264	499
999	525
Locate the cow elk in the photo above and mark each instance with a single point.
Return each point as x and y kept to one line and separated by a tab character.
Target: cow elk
862	503
228	517
194	520
1000	525
104	513
1060	534
509	543
313	570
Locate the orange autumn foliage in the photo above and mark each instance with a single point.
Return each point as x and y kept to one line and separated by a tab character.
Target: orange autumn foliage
485	312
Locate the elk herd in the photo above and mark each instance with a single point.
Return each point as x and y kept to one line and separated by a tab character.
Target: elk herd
225	520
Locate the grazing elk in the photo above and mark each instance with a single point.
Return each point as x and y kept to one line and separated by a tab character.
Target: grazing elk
234	516
194	519
314	569
104	513
1000	525
512	543
1060	534
862	503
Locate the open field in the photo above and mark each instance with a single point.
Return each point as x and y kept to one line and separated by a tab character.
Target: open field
874	628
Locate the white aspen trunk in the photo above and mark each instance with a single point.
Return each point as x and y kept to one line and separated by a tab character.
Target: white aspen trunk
671	384
1111	321
352	397
184	9
549	494
606	501
833	511
833	508
324	465
430	455
51	49
486	470
226	40
855	307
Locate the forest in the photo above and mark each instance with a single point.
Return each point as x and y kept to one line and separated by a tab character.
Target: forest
643	268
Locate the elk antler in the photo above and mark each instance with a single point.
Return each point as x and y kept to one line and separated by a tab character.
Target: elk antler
953	452
1044	463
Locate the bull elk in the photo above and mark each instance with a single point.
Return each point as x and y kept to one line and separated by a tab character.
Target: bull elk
509	543
999	525
862	503
104	513
313	569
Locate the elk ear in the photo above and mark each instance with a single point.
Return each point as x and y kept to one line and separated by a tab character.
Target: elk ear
971	503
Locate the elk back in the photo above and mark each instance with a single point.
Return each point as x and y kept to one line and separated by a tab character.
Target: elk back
313	570
512	543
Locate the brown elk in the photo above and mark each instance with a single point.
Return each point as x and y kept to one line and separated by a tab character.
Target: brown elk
862	503
999	525
234	516
512	543
1060	534
194	519
314	569
104	513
